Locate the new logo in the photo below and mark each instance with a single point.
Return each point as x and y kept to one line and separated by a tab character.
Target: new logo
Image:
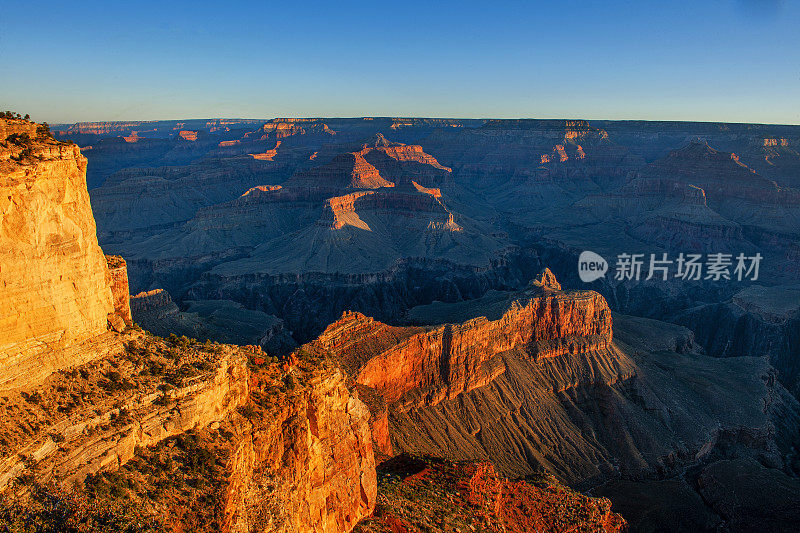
591	266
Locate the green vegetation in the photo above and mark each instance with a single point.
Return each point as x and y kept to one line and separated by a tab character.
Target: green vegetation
48	509
11	115
43	131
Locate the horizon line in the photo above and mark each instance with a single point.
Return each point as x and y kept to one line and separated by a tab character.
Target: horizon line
421	117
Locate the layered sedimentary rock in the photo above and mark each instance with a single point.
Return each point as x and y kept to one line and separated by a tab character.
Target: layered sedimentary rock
371	215
123	408
757	321
268	451
84	407
216	320
542	383
431	366
56	284
120	292
323	481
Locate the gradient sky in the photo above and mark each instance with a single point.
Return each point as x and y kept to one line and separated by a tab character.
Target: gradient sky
731	60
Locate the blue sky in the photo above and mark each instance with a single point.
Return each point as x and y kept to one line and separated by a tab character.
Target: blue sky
731	60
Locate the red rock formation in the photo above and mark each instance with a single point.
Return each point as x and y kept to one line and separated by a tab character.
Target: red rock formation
434	495
547	280
269	155
18	126
262	188
521	506
118	281
305	463
307	466
348	170
436	193
430	366
188	135
402	152
341	210
286	127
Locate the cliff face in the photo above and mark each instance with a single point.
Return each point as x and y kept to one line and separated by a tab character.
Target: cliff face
271	450
55	283
88	401
122	405
757	321
536	379
304	463
442	363
120	292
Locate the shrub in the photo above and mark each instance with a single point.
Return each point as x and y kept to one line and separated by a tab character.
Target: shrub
43	130
20	139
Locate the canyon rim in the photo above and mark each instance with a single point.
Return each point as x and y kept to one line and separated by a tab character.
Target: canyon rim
427	267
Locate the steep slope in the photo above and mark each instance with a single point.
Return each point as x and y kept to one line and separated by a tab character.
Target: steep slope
104	429
185	436
57	293
756	321
536	380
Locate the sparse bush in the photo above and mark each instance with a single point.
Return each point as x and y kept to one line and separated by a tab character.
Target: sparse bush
43	130
247	411
19	139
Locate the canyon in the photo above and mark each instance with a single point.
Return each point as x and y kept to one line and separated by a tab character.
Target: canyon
311	324
89	399
107	426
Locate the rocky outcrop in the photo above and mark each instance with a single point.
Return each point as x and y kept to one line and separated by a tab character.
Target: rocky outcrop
293	447
305	463
217	320
348	170
547	280
537	380
269	155
16	126
120	293
431	366
65	299
83	405
280	128
152	306
419	494
134	412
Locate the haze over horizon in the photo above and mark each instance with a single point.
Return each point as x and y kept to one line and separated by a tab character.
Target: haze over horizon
725	61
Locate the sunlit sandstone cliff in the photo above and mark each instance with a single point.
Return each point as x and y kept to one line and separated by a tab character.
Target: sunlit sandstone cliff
56	286
88	401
